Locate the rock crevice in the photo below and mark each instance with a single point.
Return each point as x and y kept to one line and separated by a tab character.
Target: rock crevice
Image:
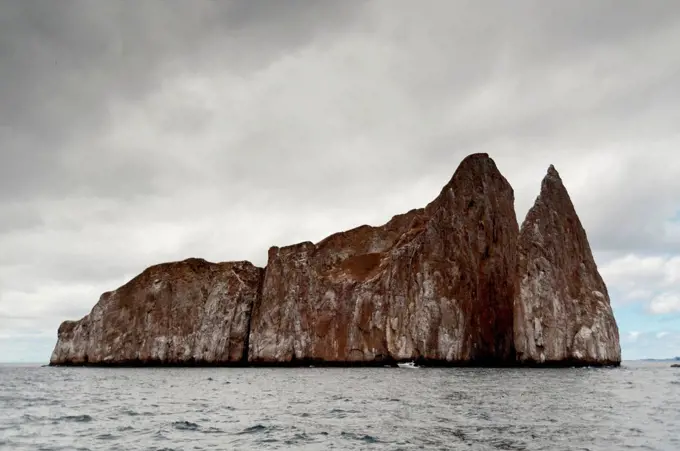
454	283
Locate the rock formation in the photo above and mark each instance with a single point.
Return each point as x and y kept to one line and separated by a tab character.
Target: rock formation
435	284
189	312
438	285
562	311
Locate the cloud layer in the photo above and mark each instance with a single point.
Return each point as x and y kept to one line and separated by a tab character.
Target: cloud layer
132	134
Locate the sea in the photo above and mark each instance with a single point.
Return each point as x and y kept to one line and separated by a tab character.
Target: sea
636	406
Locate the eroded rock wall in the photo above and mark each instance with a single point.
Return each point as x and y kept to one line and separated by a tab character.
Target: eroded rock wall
188	312
435	284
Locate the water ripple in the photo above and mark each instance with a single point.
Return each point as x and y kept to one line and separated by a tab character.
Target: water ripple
634	407
362	438
185	426
75	418
258	428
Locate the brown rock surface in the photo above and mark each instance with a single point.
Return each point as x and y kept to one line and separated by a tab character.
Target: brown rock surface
435	284
188	312
562	311
452	283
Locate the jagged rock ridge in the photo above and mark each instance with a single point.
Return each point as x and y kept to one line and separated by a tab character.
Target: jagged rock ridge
435	284
562	311
438	285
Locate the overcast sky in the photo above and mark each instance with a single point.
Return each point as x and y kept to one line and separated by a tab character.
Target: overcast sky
133	133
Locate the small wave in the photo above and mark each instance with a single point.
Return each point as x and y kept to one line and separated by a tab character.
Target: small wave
76	418
484	416
106	437
506	444
298	439
213	430
258	429
453	432
185	426
254	429
160	435
457	396
33	401
31	418
124	428
362	438
343	411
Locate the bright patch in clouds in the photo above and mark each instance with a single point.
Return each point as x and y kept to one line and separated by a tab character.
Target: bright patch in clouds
633	336
659	345
665	303
654	280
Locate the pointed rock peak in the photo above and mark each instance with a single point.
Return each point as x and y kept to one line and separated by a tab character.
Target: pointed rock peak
474	167
475	162
476	175
554	193
562	311
475	157
553	175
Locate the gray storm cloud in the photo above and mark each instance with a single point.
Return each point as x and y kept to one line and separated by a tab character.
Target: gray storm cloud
133	133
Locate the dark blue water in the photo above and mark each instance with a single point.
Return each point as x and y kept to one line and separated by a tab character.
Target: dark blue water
633	407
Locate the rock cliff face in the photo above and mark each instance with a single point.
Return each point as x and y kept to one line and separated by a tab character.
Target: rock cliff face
439	285
435	284
562	311
189	312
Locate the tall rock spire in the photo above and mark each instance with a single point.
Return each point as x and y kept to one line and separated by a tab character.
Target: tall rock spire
562	310
434	285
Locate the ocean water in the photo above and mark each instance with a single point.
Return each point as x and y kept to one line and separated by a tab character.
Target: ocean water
636	407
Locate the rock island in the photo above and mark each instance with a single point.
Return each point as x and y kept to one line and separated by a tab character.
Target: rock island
454	283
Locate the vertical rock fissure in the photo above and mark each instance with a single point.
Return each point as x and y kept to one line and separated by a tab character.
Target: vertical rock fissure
255	304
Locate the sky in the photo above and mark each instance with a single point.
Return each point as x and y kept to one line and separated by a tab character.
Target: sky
133	133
